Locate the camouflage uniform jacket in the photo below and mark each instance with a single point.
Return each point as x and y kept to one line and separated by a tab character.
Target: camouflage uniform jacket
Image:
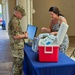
17	45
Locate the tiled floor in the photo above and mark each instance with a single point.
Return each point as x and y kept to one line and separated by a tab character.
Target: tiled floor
5	52
6	56
71	46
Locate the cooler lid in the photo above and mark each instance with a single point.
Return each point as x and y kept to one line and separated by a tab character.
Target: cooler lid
62	32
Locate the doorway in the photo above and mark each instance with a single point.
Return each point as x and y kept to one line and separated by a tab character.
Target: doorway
4	15
0	16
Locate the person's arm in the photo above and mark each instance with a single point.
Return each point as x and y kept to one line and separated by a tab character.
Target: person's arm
62	19
16	30
54	33
44	29
20	36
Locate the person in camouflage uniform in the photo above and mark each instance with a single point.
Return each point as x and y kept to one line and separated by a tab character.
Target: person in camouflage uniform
16	39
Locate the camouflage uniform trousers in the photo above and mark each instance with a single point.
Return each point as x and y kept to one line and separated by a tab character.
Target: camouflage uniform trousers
18	65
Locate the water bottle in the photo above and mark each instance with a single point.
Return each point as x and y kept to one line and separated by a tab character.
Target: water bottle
35	44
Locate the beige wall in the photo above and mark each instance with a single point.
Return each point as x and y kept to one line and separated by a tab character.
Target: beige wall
11	5
42	17
0	1
24	20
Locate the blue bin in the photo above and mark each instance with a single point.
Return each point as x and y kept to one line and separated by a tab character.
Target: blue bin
3	24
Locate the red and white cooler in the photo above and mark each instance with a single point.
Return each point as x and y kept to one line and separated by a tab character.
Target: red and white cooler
48	53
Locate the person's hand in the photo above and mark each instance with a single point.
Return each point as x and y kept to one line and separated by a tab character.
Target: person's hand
16	37
20	36
43	29
53	33
26	35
